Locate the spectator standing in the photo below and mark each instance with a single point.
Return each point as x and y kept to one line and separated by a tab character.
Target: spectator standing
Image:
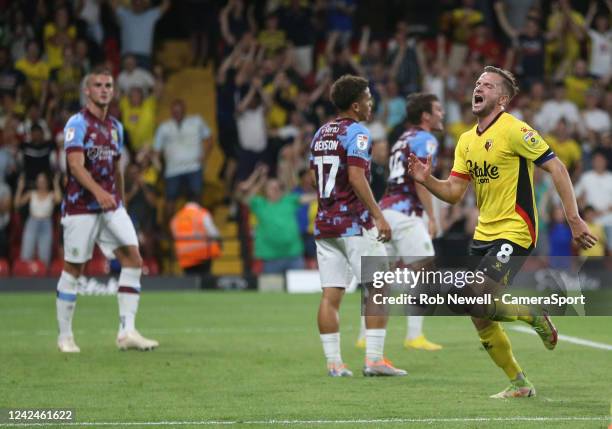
20	32
555	109
595	189
185	143
296	20
33	117
595	120
566	24
599	249
65	80
251	126
235	20
11	79
565	147
133	76
36	156
38	230
138	116
578	83
57	35
35	70
278	241
272	39
89	11
137	25
560	240
600	63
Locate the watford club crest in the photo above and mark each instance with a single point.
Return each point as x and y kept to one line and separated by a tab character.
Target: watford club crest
488	145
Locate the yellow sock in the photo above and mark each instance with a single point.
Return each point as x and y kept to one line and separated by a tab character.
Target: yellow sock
511	312
497	344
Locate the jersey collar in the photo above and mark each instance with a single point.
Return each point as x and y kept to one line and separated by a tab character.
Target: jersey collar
478	132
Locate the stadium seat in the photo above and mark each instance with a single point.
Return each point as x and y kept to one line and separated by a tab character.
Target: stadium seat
5	270
56	267
29	268
257	266
150	267
97	267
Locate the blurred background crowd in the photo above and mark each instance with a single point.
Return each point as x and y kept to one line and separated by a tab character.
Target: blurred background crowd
269	65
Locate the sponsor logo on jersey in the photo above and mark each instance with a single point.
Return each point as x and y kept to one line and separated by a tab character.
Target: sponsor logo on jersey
100	153
484	173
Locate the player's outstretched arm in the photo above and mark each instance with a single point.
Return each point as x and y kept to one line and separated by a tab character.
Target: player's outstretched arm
359	183
76	163
563	184
450	190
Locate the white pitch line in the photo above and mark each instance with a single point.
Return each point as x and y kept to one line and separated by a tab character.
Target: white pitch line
567	338
319	422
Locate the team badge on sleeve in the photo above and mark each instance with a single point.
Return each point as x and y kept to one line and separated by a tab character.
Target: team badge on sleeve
530	136
431	146
362	141
114	135
69	134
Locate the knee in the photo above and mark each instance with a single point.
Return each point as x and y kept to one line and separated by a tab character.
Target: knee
130	257
135	261
481	324
75	270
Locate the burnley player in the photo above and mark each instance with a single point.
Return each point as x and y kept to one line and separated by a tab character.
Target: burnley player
93	213
498	155
405	201
349	224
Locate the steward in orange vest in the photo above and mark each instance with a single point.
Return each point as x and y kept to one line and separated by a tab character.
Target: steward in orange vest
196	238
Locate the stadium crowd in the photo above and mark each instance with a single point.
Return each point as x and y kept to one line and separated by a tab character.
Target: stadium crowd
274	62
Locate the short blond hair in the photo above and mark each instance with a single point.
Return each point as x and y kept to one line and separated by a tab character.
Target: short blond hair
509	81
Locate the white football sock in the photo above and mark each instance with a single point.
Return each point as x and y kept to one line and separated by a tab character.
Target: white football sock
65	303
415	327
362	328
128	296
331	347
375	343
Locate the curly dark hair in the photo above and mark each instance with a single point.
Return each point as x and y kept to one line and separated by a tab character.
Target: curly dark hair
347	90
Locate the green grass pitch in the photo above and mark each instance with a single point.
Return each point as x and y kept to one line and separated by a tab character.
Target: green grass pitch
254	359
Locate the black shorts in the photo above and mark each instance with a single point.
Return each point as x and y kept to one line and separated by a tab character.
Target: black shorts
501	259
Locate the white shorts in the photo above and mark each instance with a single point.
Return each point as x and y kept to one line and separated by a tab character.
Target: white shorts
340	258
410	237
109	230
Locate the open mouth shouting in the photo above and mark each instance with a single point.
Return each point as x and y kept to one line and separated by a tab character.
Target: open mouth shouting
477	101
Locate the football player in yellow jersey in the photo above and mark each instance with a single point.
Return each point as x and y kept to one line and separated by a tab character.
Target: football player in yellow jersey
498	155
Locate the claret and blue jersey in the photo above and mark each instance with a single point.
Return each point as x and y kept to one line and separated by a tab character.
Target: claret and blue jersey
337	145
101	142
401	192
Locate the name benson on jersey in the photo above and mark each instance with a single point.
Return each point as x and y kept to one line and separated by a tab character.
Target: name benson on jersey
326	145
483	174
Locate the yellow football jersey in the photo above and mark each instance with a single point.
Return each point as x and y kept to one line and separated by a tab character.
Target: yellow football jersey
499	161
